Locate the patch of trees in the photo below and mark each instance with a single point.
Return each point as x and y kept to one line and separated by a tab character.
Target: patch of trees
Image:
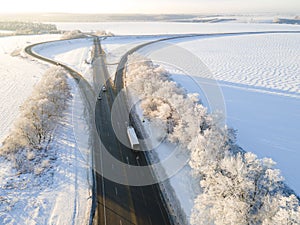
79	34
103	33
26	145
28	27
296	20
73	34
237	187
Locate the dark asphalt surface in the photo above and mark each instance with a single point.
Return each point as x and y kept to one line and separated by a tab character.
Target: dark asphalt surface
118	203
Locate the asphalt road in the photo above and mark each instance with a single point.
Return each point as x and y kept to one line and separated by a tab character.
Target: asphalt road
118	203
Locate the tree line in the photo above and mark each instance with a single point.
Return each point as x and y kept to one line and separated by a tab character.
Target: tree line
28	27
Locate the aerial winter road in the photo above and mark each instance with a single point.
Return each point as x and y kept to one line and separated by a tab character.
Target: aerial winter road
118	203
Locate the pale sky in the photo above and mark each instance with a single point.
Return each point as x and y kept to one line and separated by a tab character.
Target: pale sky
150	6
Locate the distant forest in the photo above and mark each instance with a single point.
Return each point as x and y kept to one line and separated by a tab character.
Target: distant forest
28	27
69	17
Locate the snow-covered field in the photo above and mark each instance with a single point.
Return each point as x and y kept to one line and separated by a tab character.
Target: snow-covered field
6	32
259	76
269	62
142	28
18	76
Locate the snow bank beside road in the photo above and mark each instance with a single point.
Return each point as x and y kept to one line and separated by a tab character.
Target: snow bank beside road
76	53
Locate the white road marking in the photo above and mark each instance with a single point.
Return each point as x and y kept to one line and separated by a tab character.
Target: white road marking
149	219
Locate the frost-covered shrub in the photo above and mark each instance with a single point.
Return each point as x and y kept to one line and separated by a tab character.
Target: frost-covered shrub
72	34
238	191
45	163
237	187
103	33
30	155
163	99
38	170
16	52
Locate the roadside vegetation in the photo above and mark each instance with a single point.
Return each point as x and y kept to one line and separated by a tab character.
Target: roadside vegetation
72	34
27	144
237	187
79	34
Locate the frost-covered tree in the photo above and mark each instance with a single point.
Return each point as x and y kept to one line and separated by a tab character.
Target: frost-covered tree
72	34
163	99
38	117
281	210
242	189
45	106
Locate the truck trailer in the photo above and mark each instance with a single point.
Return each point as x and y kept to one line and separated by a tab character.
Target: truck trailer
134	142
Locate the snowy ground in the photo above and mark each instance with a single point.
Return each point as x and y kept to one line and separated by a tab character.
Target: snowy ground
63	194
6	32
268	62
142	28
259	76
18	76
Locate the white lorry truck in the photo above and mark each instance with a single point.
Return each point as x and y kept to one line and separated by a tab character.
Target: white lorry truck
134	142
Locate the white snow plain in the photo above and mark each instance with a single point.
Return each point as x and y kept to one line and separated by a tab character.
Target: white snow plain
150	28
268	62
259	76
19	74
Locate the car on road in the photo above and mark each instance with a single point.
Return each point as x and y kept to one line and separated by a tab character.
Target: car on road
99	97
103	88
